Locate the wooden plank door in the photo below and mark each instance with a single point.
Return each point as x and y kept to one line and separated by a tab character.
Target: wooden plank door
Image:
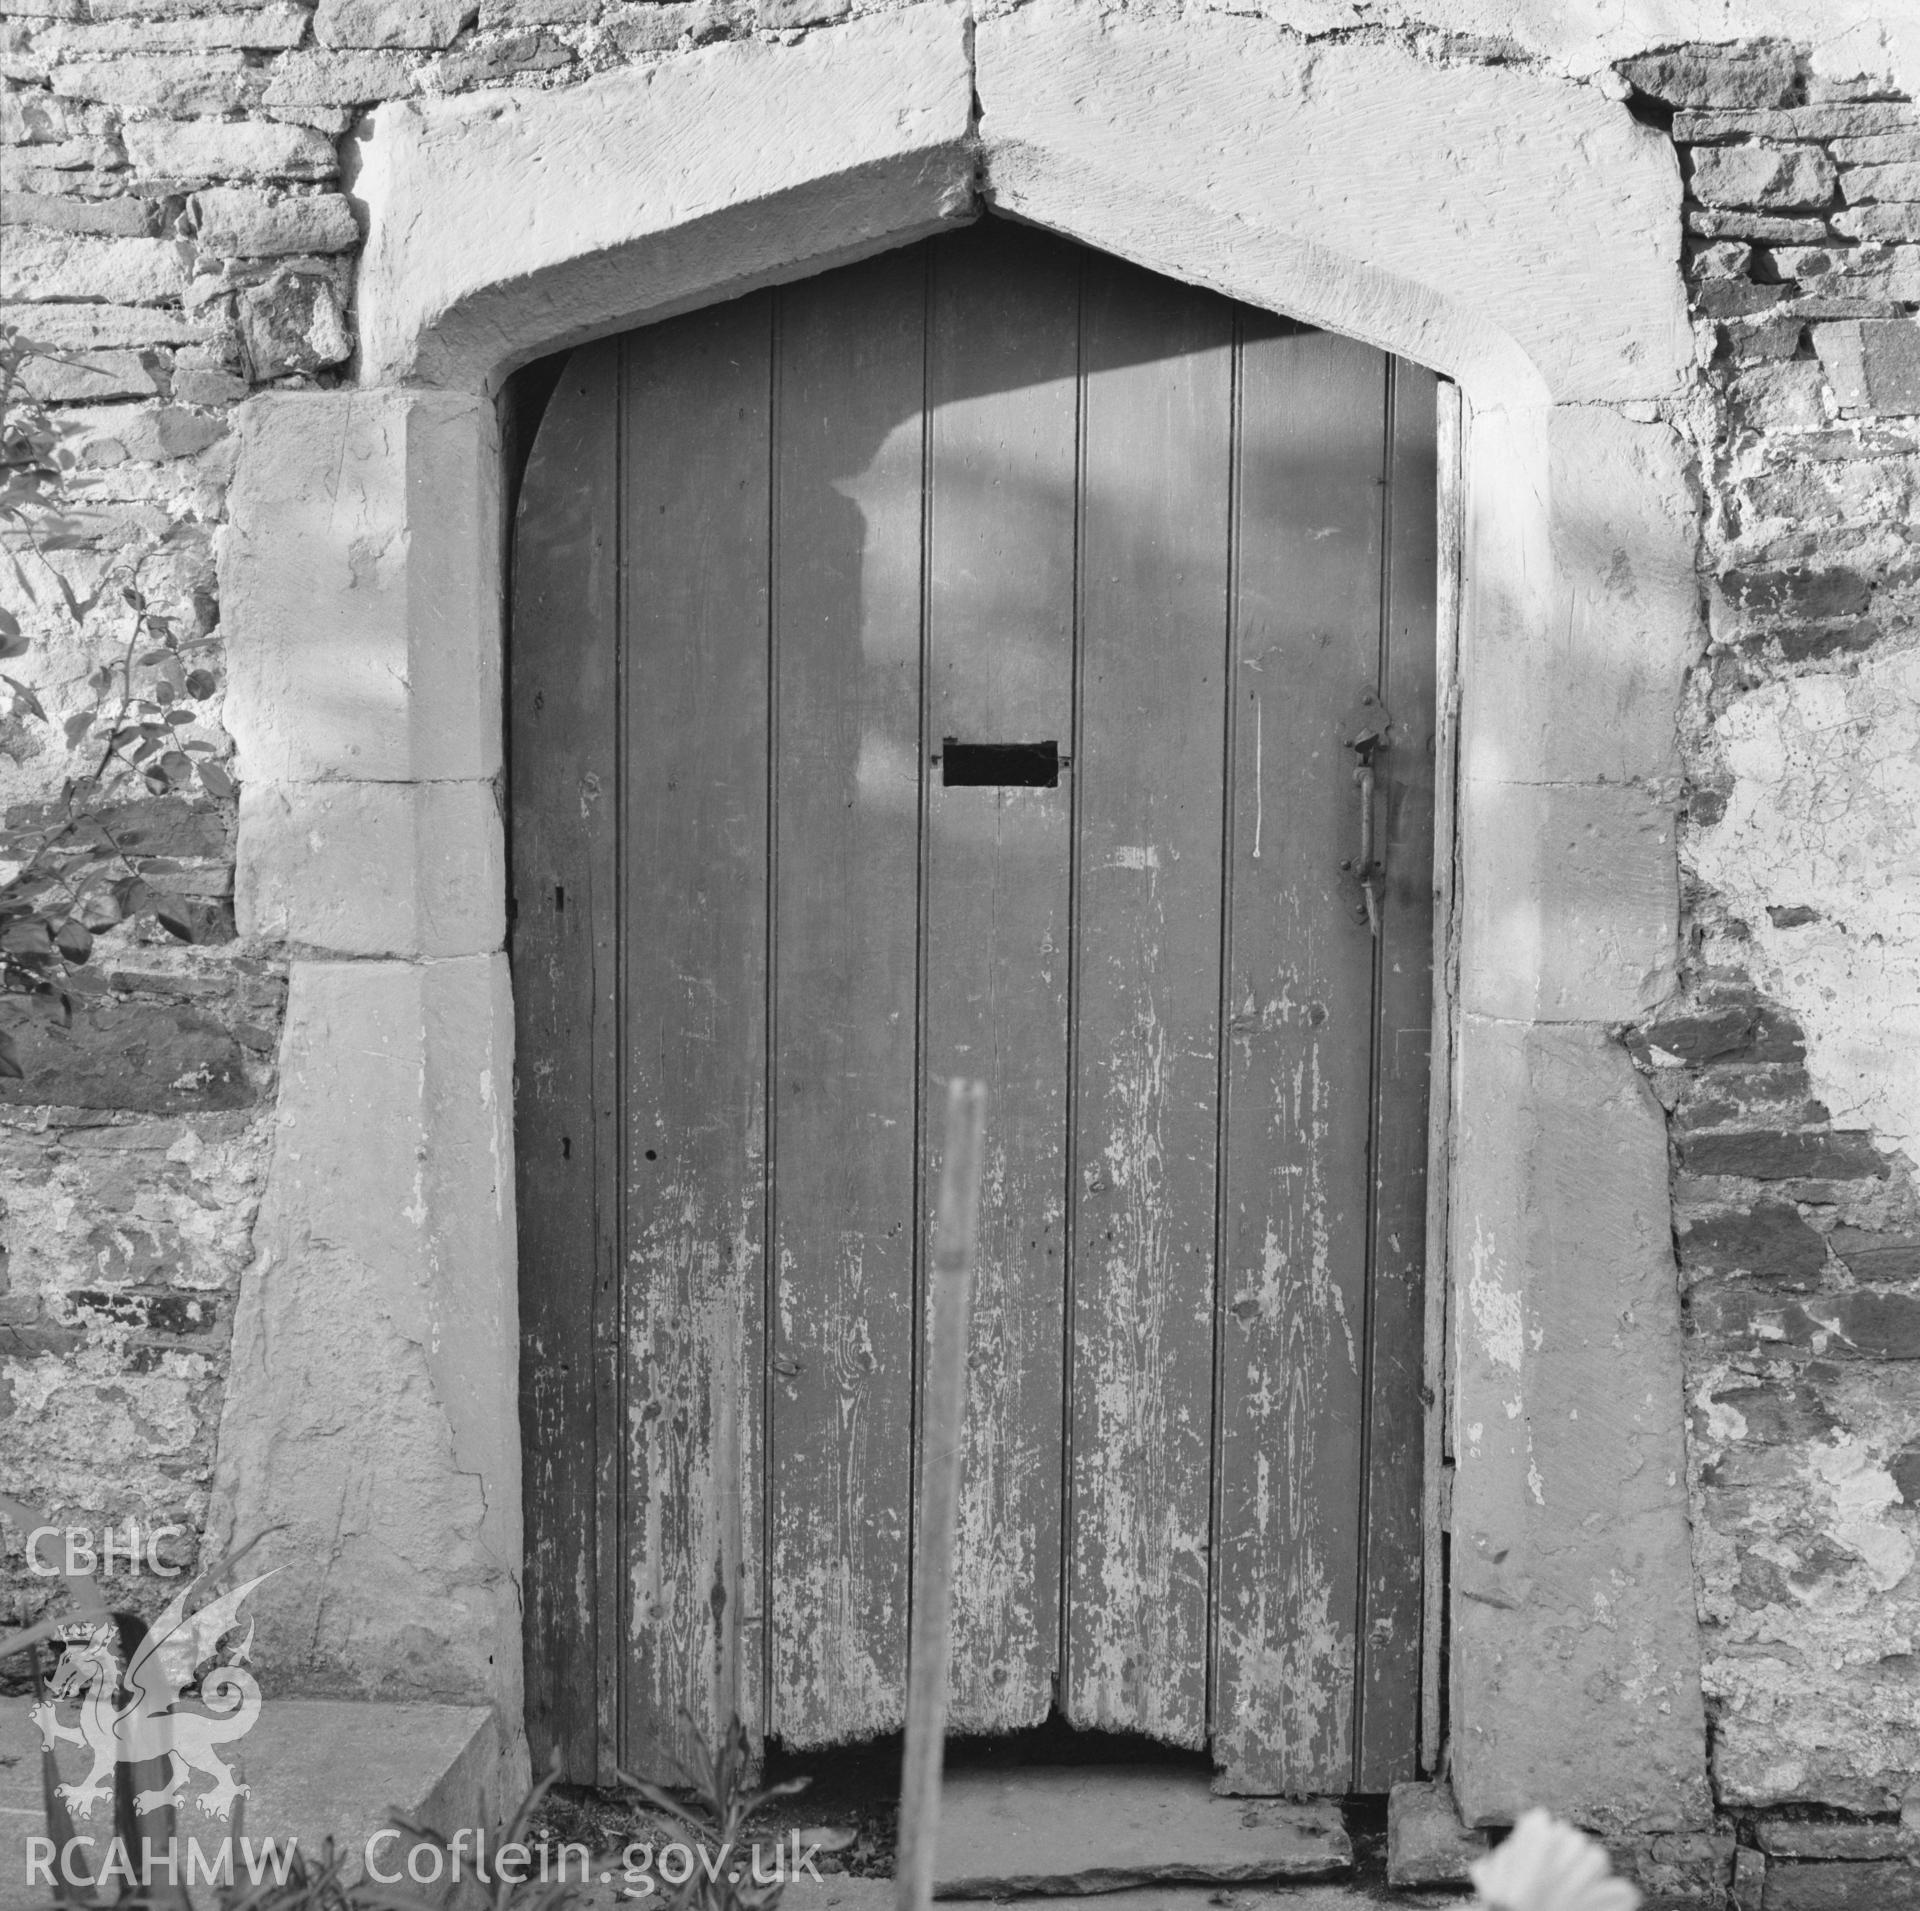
788	574
847	456
1003	355
1318	1568
1150	757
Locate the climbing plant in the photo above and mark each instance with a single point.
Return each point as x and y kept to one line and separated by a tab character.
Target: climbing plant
138	698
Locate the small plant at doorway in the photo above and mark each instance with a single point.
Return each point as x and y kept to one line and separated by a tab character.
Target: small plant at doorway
717	1805
1546	1865
128	677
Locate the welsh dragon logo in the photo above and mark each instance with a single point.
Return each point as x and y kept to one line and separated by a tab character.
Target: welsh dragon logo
144	1715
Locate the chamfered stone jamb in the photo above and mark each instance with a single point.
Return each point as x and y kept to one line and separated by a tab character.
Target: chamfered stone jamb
1575	1647
373	869
1569	900
370	1408
359	588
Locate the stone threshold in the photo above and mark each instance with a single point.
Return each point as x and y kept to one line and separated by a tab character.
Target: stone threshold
1076	1830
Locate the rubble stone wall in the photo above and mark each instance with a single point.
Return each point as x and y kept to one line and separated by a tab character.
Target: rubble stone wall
1790	1061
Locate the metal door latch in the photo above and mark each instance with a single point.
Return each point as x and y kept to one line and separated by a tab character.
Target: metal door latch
1366	869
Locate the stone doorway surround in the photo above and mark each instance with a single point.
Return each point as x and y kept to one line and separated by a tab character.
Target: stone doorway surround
1517	234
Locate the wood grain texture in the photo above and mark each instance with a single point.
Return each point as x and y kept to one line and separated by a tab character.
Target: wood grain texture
1004	348
1390	1608
1150	776
564	893
848	450
1300	999
694	842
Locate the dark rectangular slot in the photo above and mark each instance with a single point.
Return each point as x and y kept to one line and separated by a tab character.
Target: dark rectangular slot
1019	766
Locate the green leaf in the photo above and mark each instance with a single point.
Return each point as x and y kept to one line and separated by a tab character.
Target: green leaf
200	683
78	725
10	1067
30	938
174	922
73	940
216	781
24	697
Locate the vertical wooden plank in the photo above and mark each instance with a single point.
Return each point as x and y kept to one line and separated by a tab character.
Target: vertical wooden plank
1389	1726
694	785
563	747
847	818
1149	770
1437	1513
1002	395
1300	1019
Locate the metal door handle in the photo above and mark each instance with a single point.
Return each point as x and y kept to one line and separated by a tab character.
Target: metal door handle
1369	870
1366	871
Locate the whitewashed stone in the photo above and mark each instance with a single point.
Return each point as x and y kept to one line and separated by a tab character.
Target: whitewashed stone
415	23
275	24
1803	752
228	149
1864	183
510	56
1880	149
331	120
1756	175
539	13
60	212
175	83
36	118
80	327
247	223
90	376
338	79
292	322
72	265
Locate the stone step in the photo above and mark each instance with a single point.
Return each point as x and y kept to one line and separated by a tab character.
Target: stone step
1067	1830
315	1768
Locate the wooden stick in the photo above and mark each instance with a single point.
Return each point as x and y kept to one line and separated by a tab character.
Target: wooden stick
1437	1516
943	1440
